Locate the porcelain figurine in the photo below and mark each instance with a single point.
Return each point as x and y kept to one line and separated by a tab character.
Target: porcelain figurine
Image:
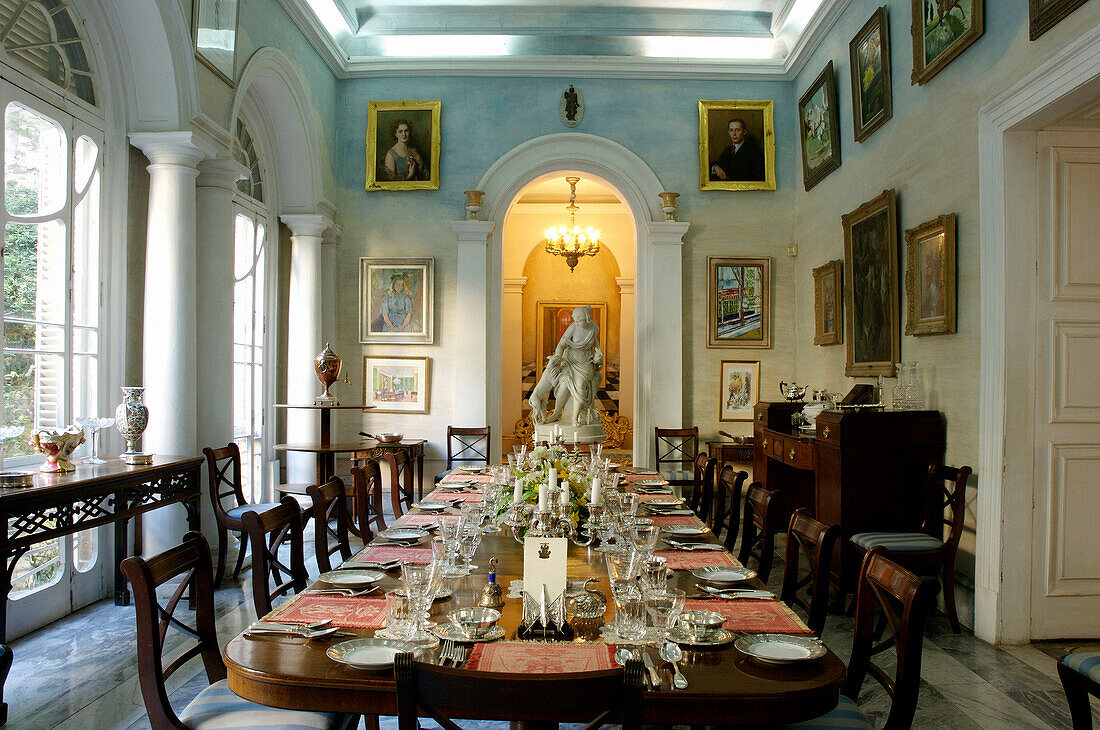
57	446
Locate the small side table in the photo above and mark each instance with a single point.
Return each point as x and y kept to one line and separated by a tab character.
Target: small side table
414	448
729	451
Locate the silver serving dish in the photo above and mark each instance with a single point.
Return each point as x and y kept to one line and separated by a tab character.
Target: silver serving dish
474	622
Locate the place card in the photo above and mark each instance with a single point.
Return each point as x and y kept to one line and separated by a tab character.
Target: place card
524	657
544	563
344	611
701	559
753	616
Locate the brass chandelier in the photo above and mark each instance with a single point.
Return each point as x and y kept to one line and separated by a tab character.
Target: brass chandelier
570	241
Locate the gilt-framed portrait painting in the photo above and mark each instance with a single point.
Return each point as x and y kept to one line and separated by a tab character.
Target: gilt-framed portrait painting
871	287
403	145
739	389
930	284
942	29
554	318
396	384
819	123
396	298
214	31
828	312
1045	14
739	302
736	145
869	59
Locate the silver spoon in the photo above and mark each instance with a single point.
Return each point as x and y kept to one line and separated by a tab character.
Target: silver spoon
622	656
671	653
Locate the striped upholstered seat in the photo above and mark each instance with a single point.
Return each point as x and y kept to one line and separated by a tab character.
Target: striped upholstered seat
236	512
217	707
897	542
846	715
1084	662
677	475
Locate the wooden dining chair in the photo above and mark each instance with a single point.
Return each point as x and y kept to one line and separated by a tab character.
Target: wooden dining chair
443	694
1080	675
758	529
401	482
816	541
726	514
332	521
906	600
216	705
366	487
268	531
702	493
926	552
676	450
224	471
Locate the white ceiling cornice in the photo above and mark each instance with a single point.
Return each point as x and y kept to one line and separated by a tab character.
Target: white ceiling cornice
813	34
327	48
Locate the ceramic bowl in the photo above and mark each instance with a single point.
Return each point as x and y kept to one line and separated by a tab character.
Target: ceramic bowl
474	622
701	625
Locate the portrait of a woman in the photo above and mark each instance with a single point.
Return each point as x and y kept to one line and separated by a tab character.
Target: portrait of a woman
396	305
403	160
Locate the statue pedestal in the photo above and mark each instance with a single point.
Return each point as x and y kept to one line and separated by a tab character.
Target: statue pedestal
571	434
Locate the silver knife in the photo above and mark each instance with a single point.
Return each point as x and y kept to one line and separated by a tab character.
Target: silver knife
654	678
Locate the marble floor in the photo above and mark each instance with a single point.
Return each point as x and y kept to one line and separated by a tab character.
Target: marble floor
79	673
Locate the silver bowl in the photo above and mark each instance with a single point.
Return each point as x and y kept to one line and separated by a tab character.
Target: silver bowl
701	625
388	438
474	622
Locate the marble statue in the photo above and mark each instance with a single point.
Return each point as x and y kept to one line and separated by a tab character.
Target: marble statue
572	374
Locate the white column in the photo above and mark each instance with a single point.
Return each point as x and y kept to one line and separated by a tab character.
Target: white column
511	357
169	345
471	317
328	300
304	335
626	346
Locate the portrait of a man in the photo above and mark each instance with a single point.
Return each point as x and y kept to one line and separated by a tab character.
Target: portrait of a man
743	160
736	145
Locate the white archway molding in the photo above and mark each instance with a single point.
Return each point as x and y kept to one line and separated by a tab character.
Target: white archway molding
272	86
658	372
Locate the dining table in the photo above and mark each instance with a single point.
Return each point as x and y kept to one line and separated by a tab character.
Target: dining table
724	685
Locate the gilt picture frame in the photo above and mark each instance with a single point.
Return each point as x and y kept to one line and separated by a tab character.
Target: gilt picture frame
739	302
1045	14
396	297
396	383
941	30
930	278
871	287
819	123
872	85
214	33
828	304
738	390
403	144
736	145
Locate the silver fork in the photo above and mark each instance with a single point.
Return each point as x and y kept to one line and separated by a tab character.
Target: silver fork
462	653
447	654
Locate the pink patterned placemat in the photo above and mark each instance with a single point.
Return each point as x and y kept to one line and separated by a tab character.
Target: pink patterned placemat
345	612
462	477
753	616
414	555
701	559
457	496
417	519
667	520
523	657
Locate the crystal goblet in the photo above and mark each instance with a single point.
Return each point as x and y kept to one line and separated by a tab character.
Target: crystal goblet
94	425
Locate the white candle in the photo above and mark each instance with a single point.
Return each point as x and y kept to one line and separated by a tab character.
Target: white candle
563	498
542	498
596	492
517	493
553	478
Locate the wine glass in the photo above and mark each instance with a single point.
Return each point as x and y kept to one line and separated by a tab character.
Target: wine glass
644	538
449	529
421	584
94	425
664	607
470	539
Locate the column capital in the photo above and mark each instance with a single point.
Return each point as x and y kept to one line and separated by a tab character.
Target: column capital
472	231
221	172
332	234
667	233
626	284
169	148
514	284
307	224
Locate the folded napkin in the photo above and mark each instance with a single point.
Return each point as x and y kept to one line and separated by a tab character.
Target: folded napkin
344	611
414	555
678	560
525	657
753	616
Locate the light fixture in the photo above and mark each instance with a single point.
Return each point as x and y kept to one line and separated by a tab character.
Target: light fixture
570	241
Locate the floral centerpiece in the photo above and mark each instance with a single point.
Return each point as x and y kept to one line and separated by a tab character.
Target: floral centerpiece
534	470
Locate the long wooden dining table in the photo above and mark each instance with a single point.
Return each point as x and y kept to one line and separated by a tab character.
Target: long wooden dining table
725	686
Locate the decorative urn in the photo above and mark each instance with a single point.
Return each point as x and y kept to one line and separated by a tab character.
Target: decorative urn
668	204
131	418
473	203
57	446
328	365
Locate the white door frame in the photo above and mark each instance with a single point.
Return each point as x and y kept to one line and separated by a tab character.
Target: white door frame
658	371
1006	151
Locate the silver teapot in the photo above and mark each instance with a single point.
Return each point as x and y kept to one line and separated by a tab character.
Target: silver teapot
792	392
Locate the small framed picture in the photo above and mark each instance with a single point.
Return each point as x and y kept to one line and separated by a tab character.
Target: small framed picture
403	145
820	124
1045	14
736	145
872	93
739	302
739	389
930	277
828	315
871	287
395	384
214	26
395	300
942	29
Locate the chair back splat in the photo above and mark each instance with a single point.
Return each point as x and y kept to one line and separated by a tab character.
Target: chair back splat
401	482
676	450
466	445
273	576
332	521
366	483
759	526
702	492
727	504
815	540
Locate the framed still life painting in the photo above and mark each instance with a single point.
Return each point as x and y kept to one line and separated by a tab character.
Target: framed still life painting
739	302
942	29
214	26
819	123
1045	14
828	314
395	384
736	145
739	390
930	277
872	93
871	287
403	145
395	300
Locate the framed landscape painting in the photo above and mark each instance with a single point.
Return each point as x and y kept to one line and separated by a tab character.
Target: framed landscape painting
736	145
1045	14
930	277
395	300
403	145
871	287
739	390
942	29
820	124
396	384
872	93
828	315
739	302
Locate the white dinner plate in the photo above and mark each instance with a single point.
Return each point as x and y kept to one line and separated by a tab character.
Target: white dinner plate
403	533
663	503
433	506
472	469
650	483
351	577
780	648
723	574
370	654
686	530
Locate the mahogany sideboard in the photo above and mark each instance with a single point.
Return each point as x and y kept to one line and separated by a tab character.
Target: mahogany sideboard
863	470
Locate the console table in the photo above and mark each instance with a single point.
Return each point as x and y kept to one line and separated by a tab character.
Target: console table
326	450
413	448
